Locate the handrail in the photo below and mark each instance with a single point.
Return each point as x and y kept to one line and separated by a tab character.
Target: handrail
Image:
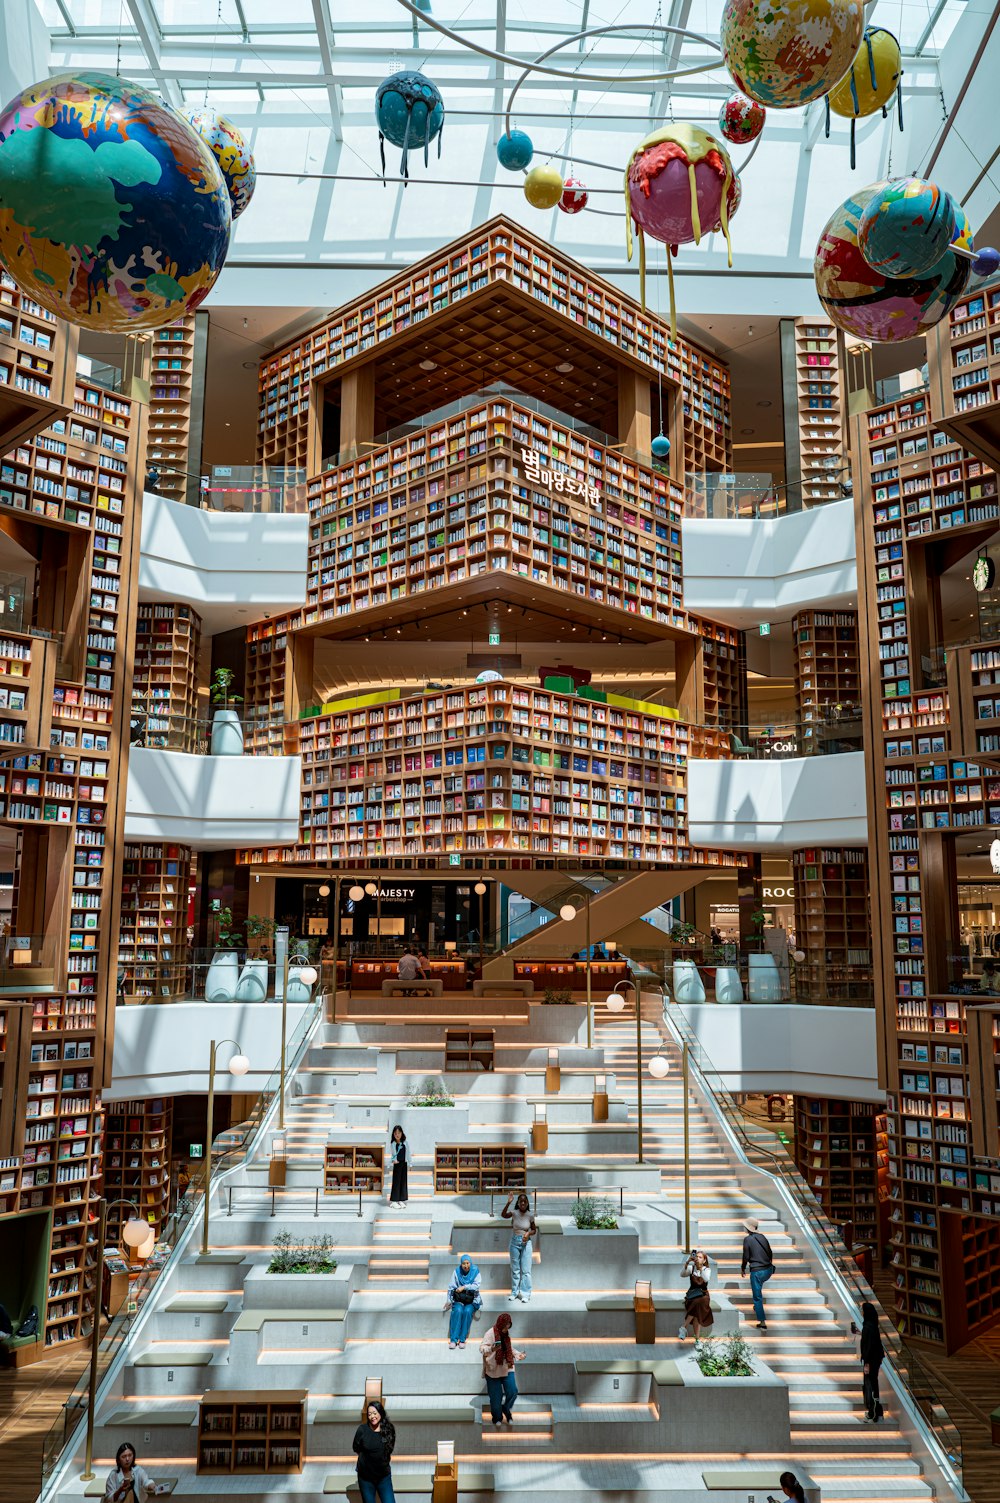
913	1382
64	1434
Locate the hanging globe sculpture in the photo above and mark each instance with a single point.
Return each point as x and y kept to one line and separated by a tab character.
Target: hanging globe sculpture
515	151
870	82
231	152
785	53
741	120
410	113
862	301
906	227
679	185
574	197
543	186
113	213
660	447
987	262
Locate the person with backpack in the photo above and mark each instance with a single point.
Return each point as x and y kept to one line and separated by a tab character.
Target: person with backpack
757	1258
464	1300
872	1357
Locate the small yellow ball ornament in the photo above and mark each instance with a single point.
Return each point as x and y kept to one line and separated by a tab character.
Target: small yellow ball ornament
543	186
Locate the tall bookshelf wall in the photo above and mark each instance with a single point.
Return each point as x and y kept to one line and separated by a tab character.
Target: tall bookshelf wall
496	253
153	950
917	486
171	397
165	679
832	924
841	1151
821	410
137	1162
80	478
37	364
267	672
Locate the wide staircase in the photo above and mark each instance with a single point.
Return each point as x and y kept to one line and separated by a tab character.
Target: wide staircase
594	1413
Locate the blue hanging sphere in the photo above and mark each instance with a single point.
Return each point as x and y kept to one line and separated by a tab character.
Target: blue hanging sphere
515	151
660	447
987	261
410	113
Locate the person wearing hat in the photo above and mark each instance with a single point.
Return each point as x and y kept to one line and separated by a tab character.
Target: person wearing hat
758	1259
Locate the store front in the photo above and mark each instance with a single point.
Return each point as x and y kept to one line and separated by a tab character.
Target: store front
395	912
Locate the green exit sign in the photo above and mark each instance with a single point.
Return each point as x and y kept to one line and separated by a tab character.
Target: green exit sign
494	639
454	860
765	628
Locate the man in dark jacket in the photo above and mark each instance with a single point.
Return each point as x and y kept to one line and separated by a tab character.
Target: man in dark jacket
757	1258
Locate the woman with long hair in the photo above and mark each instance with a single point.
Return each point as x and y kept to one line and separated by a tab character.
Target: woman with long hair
399	1157
128	1483
697	1304
522	1229
872	1356
499	1356
791	1487
464	1300
374	1443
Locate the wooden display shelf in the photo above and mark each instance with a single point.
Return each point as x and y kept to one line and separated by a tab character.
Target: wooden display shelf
571	975
832	923
368	975
815	429
266	678
152	932
251	1431
349	1167
827	670
136	1161
469	1048
841	1153
37	364
463	1170
165	676
171	398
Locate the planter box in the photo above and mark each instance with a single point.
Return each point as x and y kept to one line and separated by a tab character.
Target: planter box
755	1410
301	1291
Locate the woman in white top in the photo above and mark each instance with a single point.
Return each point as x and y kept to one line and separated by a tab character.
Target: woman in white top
522	1229
128	1483
697	1305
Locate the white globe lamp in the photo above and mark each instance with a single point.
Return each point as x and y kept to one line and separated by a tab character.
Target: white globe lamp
479	888
239	1064
356	893
135	1232
567	912
659	1067
615	1002
324	891
309	975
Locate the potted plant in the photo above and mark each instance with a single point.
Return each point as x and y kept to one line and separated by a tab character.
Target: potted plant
222	980
732	1358
594	1215
227	732
554	998
314	1256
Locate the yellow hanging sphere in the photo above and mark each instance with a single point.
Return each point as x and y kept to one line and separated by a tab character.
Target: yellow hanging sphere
879	55
543	186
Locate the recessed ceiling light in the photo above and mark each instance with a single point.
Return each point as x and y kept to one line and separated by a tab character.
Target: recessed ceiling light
428	365
565	368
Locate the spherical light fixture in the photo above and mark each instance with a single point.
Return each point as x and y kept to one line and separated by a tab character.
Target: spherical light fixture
135	1232
371	889
356	893
324	891
615	1002
798	956
239	1064
309	975
567	912
659	1067
146	1249
480	888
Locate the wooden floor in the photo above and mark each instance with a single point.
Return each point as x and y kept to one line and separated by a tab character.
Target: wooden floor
30	1400
970	1390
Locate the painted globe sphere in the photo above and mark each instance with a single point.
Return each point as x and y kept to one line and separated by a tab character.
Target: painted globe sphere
861	300
785	53
741	120
871	80
113	213
232	153
543	186
680	185
906	227
574	197
515	151
660	447
410	113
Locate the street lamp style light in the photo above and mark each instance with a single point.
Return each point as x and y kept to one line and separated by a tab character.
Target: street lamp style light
374	890
615	1003
135	1234
238	1065
480	891
567	912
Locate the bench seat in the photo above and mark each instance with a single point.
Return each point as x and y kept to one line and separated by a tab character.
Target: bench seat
252	1320
496	988
391	988
624	1302
95	1488
419	1482
665	1373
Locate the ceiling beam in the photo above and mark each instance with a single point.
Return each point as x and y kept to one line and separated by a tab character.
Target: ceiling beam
324	35
147	29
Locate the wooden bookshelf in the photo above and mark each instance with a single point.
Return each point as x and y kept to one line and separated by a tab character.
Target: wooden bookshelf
832	923
498	767
251	1431
469	1048
498	260
137	1161
165	673
350	1167
368	975
37	364
464	1169
841	1153
827	671
266	679
815	429
571	975
173	392
152	936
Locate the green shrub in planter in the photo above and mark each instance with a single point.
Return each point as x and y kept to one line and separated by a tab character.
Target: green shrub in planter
314	1256
593	1215
557	999
732	1358
431	1093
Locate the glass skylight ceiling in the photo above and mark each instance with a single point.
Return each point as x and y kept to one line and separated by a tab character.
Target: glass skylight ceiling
299	78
